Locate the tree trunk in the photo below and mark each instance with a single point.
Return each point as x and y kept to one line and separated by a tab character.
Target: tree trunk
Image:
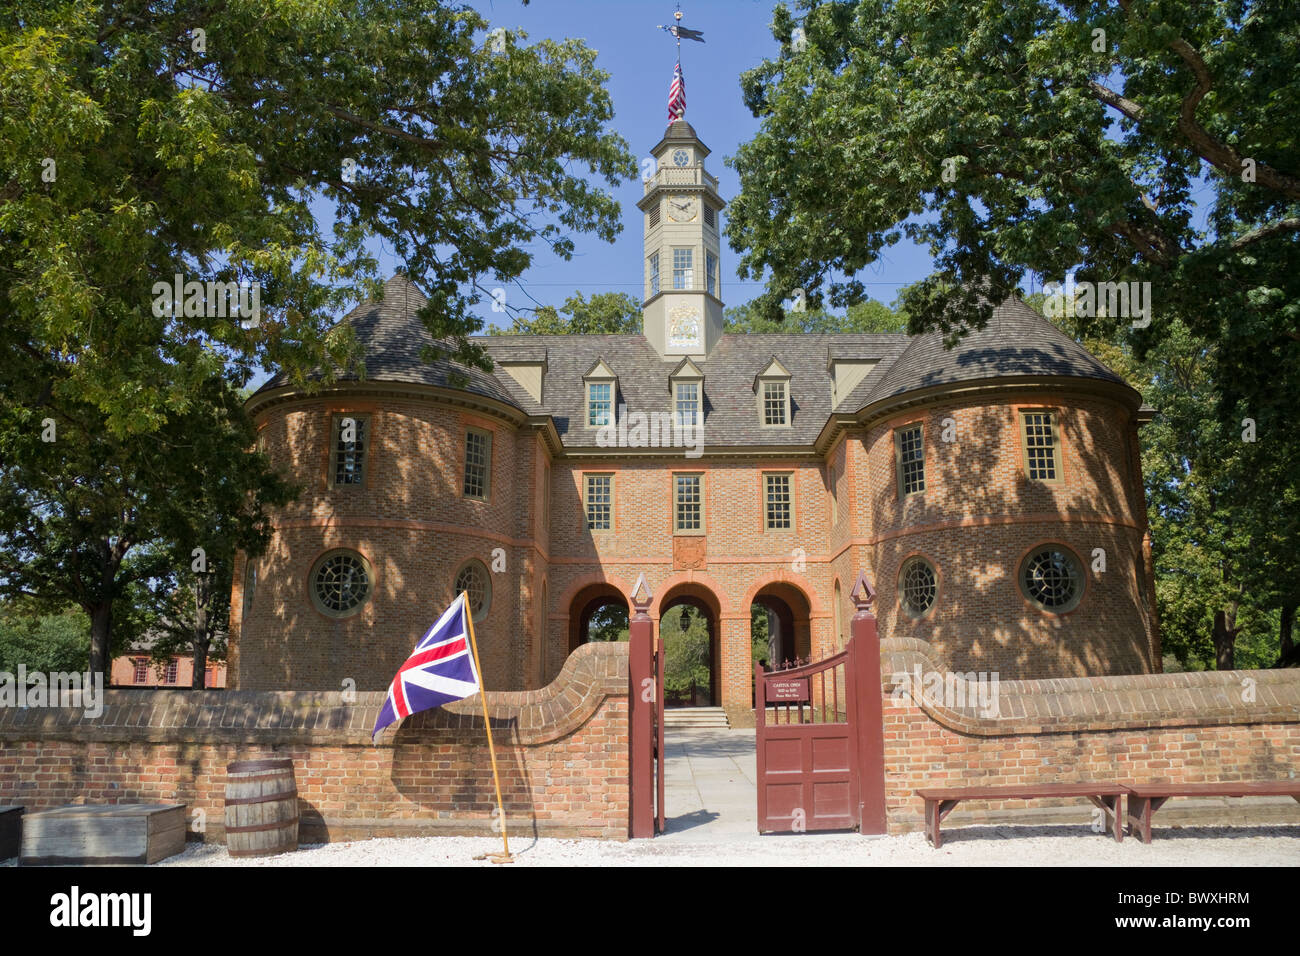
101	623
1225	637
202	602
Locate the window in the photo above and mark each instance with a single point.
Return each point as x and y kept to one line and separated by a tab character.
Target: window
209	675
173	667
600	399
473	579
688	403
917	587
774	403
777	502
834	503
1042	452
688	514
839	617
478	464
351	442
911	460
141	670
683	270
710	217
653	216
1050	577
340	583
599	501
711	273
654	274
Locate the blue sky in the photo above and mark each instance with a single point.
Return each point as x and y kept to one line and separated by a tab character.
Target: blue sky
639	59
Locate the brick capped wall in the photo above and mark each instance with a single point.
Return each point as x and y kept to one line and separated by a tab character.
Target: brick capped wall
1155	728
561	751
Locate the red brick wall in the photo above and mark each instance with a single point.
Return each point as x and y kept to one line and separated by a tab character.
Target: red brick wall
977	519
561	751
1158	728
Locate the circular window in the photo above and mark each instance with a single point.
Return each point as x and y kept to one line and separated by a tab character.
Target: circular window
681	157
917	586
1050	578
474	581
340	583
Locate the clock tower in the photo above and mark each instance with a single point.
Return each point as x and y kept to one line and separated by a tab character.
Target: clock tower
682	311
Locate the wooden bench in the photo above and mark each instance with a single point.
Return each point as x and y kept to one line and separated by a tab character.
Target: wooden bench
940	802
1145	799
103	834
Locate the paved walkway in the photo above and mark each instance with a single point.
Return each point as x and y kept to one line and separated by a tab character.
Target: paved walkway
709	788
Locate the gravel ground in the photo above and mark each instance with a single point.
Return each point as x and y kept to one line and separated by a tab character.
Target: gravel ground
968	846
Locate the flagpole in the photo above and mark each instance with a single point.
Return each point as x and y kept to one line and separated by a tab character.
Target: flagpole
487	725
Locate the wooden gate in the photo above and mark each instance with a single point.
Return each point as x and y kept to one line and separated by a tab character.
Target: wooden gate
819	739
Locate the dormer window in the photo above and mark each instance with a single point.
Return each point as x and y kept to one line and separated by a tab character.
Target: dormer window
775	402
686	385
602	387
599	402
772	386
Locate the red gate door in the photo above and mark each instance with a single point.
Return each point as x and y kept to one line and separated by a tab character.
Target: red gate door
807	758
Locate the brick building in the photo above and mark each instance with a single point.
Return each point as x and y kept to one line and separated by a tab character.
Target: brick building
992	493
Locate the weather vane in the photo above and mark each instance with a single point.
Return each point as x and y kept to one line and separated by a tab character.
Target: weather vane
680	32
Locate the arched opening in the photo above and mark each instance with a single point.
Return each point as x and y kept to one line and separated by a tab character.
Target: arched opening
688	624
597	613
780	626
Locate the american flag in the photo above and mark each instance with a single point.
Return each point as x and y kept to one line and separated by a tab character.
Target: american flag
439	670
677	96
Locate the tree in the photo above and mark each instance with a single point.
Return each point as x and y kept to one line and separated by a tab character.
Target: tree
868	316
1048	138
612	313
140	143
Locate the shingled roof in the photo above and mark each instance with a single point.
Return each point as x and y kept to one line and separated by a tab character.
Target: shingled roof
394	338
1017	342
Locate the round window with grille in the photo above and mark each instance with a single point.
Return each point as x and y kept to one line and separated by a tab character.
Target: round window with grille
918	586
473	579
1050	577
340	583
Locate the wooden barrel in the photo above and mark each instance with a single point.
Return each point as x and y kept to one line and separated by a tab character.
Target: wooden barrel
261	807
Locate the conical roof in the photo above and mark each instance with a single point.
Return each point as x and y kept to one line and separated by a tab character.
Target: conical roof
1018	341
394	338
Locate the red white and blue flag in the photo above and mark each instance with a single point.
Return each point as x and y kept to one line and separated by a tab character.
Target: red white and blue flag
677	96
439	670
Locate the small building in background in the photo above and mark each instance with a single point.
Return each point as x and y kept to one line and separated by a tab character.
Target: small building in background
137	668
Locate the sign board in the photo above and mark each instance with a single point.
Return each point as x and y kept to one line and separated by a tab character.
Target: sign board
788	691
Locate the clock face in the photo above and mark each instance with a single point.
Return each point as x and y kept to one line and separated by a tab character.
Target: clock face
682	208
681	157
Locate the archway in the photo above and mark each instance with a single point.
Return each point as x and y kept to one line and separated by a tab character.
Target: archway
780	625
598	612
689	616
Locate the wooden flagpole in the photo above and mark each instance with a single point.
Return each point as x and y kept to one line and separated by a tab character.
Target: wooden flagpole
487	725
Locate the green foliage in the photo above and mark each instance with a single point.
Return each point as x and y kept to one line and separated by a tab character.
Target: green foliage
686	653
1014	139
46	642
608	623
132	150
868	316
613	313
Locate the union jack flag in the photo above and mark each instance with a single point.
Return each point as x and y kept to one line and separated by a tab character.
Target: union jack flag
677	96
439	670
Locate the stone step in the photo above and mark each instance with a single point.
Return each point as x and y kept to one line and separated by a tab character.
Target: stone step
695	718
